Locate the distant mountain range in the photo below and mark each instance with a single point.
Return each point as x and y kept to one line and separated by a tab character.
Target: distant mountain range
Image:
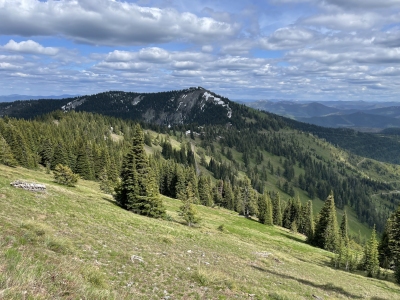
15	97
361	115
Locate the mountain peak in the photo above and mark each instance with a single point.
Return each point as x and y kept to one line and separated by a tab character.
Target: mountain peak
192	105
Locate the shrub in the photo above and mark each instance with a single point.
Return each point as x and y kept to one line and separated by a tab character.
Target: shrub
64	175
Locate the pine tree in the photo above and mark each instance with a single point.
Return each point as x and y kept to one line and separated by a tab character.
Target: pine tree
138	190
326	230
229	197
60	156
64	175
276	210
187	209
82	165
394	241
371	256
385	256
248	200
205	191
6	155
343	229
307	221
264	209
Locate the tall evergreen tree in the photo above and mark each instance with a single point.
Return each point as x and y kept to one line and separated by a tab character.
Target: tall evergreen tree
385	256
393	227
248	201
6	155
188	210
371	255
343	229
60	156
276	210
138	190
326	230
264	209
205	191
82	165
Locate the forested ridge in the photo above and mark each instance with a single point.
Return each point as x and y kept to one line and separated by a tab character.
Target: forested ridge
252	149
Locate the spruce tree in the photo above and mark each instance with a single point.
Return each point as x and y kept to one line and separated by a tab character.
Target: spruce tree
187	210
64	175
394	241
205	191
326	230
307	221
264	209
371	256
385	256
248	201
343	229
6	155
276	210
138	190
59	156
82	165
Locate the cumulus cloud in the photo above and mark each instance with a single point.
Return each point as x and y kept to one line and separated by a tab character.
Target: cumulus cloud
288	37
107	22
207	48
363	4
30	47
347	21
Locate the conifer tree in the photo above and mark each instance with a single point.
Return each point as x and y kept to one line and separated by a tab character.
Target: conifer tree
205	191
385	256
276	210
371	256
248	201
46	152
82	165
326	230
229	197
308	221
60	156
394	241
187	209
64	175
138	190
264	209
343	229
6	155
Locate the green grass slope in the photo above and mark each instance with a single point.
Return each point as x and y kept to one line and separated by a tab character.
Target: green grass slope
75	243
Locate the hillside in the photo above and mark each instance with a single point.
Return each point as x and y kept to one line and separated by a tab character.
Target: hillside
354	120
200	106
293	109
73	243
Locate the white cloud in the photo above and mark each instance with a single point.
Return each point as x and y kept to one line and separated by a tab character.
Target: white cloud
106	22
288	37
154	54
30	47
207	48
344	21
364	4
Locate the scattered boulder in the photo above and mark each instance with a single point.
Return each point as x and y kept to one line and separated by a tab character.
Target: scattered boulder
29	186
137	258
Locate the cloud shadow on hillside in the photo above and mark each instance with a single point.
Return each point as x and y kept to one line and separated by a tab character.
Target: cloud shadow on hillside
328	287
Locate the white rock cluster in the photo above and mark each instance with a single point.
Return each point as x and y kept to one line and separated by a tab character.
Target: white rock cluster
29	186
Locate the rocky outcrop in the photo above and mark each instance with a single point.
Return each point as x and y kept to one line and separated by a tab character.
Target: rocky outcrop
29	186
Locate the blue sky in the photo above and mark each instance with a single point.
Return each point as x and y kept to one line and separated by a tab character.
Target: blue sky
244	50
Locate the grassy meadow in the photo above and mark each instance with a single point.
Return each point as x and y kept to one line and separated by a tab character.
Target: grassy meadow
75	243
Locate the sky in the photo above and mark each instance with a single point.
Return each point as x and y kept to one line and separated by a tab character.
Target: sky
245	50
